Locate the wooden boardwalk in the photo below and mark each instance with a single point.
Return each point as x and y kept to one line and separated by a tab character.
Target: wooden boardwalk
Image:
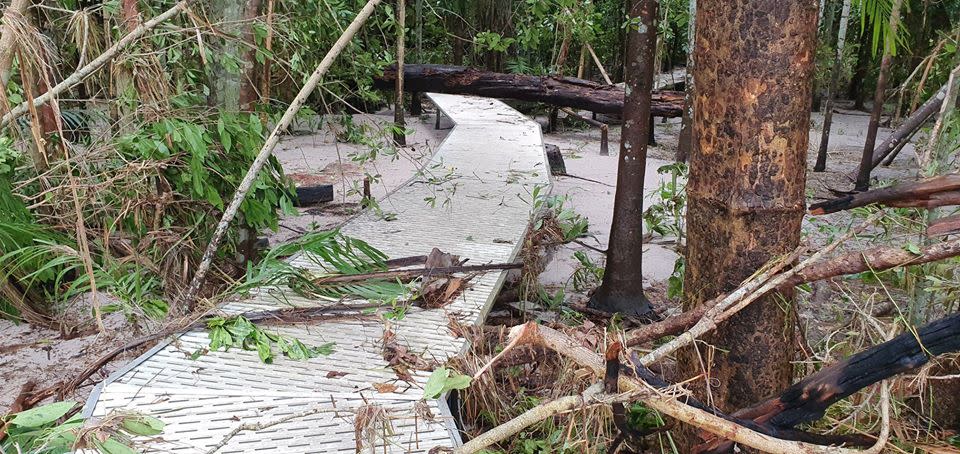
480	181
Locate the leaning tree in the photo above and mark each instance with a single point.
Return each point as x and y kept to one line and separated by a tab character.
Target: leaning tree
751	120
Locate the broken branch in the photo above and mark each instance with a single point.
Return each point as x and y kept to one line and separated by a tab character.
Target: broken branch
190	296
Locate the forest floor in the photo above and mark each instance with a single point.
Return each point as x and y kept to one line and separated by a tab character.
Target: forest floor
43	357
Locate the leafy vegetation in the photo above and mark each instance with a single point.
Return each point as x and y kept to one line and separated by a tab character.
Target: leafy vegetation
48	429
238	332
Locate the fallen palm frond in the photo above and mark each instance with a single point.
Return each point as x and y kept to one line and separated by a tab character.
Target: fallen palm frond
335	255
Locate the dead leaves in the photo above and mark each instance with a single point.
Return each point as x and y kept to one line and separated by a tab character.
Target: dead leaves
438	291
401	359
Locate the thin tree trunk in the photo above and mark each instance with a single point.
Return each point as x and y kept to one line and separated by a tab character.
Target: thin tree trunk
267	62
224	85
900	136
248	82
622	286
946	108
583	61
746	188
832	90
686	123
855	91
866	159
399	133
596	61
189	297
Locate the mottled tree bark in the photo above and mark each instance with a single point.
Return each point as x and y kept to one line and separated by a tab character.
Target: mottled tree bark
754	76
622	287
224	83
866	159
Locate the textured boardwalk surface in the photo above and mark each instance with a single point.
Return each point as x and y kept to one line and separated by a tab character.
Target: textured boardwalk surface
480	181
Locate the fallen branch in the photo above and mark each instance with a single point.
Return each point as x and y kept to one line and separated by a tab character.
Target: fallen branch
929	193
663	402
95	64
652	379
808	400
751	291
189	297
880	258
528	418
406	275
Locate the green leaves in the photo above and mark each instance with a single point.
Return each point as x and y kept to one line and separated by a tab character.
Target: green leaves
443	380
36	431
142	425
40	416
239	332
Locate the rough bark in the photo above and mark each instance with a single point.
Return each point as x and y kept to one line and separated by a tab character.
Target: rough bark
622	286
821	164
558	91
866	160
224	84
686	123
754	68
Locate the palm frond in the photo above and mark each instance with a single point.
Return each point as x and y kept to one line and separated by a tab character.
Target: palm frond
876	14
336	254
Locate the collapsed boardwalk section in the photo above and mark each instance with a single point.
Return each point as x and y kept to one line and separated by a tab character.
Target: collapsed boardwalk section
472	200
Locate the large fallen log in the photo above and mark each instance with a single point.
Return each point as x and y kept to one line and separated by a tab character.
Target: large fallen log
557	91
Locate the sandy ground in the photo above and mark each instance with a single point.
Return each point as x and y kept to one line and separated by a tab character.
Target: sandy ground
319	158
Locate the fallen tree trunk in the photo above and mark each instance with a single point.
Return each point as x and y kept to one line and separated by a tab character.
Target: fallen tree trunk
557	91
809	399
